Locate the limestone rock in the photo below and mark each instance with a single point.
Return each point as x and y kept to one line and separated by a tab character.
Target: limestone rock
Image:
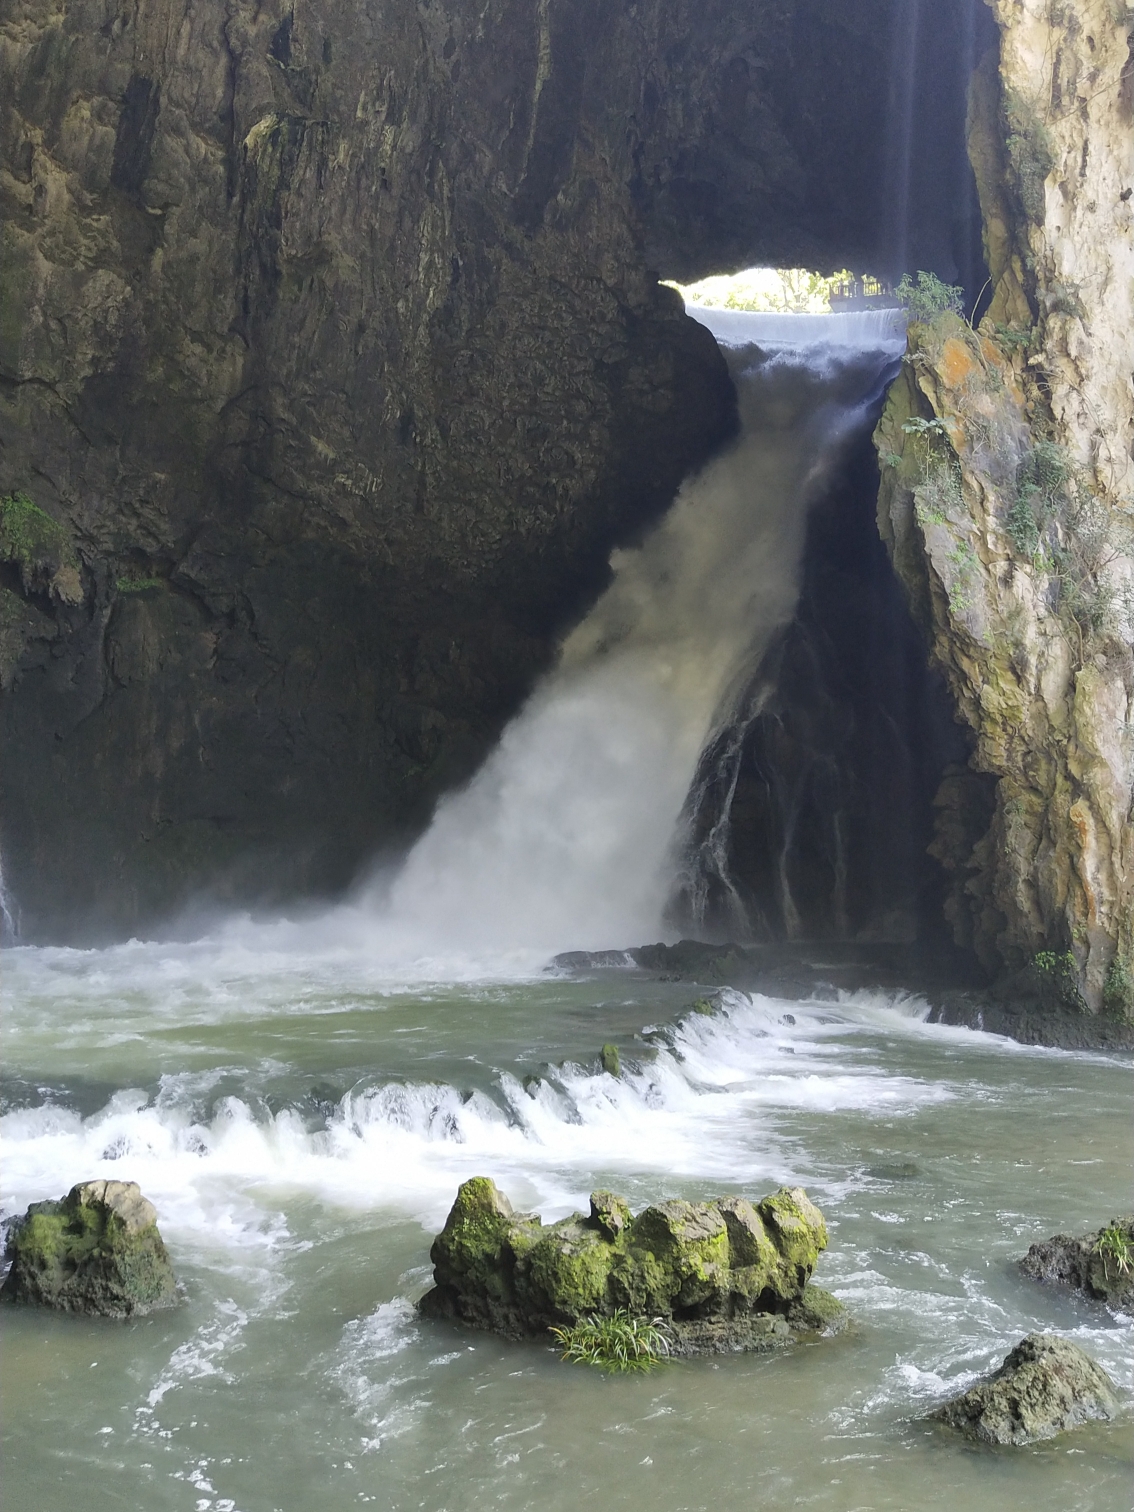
1101	1264
1045	1386
724	1275
1032	636
97	1250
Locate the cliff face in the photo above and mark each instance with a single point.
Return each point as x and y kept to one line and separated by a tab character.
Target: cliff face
332	364
1007	507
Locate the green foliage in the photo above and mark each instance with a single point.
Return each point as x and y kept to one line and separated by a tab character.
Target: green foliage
927	297
619	1344
1012	337
1029	152
29	536
1057	975
1113	1248
1023	527
963	560
137	583
1118	990
938	494
1060	525
1054	964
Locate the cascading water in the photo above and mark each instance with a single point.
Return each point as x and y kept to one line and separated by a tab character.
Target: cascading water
566	836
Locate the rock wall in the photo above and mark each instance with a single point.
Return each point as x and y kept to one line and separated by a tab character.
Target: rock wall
1008	508
332	364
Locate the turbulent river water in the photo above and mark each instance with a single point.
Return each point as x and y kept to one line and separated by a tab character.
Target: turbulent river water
300	1100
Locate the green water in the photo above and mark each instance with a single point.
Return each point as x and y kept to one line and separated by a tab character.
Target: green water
302	1129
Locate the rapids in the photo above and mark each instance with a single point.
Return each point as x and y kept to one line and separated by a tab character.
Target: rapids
302	1136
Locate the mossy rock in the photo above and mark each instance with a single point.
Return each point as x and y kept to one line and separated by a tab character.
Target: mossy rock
722	1266
40	547
97	1250
818	1312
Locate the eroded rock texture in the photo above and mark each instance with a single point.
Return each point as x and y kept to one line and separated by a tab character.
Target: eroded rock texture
723	1275
1045	1386
330	338
1010	518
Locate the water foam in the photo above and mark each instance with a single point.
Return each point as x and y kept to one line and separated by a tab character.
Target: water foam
691	1106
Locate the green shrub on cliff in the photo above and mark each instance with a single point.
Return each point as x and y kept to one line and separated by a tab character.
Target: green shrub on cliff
927	297
36	543
618	1344
1058	523
1057	976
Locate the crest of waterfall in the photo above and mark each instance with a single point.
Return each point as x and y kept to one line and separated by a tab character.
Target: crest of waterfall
569	834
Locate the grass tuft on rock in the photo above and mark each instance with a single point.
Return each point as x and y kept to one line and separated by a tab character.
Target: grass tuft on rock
1114	1249
618	1344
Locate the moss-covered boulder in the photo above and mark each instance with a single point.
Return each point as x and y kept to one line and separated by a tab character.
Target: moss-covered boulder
97	1250
1045	1386
727	1274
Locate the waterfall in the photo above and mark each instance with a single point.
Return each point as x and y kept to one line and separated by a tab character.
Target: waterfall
9	912
567	836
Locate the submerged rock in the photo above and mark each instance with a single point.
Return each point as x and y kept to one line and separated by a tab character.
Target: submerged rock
724	1275
97	1250
1045	1386
1101	1264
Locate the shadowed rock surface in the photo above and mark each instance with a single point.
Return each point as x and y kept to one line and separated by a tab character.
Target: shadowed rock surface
97	1250
724	1275
1101	1264
332	349
1045	1386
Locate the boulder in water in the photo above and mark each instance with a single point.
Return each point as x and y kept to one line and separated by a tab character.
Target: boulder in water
1045	1386
1101	1263
723	1275
97	1250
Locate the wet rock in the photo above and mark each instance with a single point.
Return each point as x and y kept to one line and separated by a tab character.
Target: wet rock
611	1061
1045	1386
97	1250
609	1213
724	1275
1101	1263
817	1311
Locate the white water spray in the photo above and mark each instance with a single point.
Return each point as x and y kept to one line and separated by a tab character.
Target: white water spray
565	836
